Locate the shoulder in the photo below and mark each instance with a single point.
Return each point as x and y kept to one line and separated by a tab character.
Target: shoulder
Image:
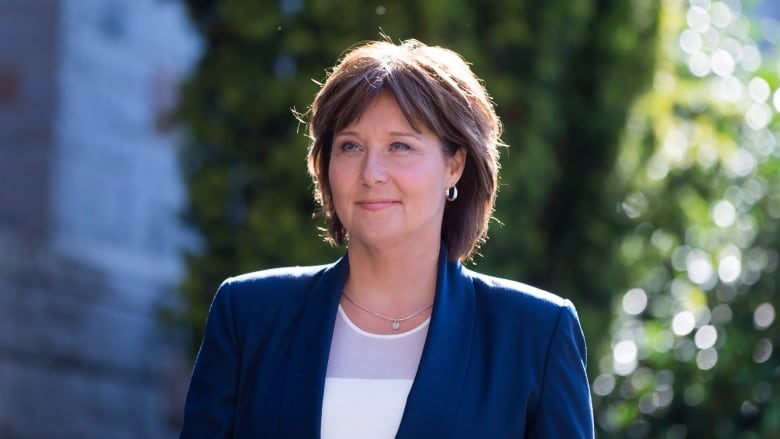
510	297
264	301
500	289
281	275
519	313
283	284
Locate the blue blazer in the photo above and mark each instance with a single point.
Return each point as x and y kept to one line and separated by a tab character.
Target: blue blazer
501	359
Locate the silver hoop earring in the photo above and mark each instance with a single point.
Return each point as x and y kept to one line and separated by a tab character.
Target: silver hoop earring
451	193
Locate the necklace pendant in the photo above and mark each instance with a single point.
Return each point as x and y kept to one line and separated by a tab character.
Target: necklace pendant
396	324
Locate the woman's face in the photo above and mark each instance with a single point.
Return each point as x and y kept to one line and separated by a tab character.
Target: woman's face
388	180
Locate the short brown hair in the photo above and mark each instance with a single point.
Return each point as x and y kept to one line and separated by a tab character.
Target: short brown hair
433	86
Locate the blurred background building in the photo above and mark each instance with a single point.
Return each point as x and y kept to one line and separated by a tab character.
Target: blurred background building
90	239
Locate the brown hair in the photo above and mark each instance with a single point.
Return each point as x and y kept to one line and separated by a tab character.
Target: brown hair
433	86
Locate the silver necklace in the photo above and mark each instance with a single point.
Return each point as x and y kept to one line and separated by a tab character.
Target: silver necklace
396	321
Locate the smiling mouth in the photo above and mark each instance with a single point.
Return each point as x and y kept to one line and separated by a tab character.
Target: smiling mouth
376	204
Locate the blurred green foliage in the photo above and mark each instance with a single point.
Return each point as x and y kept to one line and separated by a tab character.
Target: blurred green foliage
605	199
694	332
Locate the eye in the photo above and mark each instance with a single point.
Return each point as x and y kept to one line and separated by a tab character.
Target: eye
399	146
349	147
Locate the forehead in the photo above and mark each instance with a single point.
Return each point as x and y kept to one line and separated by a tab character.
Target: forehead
382	106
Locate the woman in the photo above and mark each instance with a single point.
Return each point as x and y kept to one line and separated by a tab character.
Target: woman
397	338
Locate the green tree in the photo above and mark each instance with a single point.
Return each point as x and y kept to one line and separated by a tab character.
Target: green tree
691	352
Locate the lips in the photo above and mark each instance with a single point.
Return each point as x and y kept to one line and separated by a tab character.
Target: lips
376	205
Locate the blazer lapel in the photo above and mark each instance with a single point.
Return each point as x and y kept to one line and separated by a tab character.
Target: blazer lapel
301	399
435	395
434	398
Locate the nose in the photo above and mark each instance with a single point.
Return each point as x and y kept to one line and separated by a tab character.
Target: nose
374	168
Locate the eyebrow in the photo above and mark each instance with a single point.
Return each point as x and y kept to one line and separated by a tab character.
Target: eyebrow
392	133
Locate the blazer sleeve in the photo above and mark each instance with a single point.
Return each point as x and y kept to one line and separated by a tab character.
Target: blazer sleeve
564	409
210	406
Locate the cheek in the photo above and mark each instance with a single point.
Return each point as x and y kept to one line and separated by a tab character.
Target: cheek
338	180
426	185
334	177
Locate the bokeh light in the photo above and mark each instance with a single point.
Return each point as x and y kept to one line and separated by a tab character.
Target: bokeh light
635	301
705	337
724	213
624	355
759	89
764	316
683	323
707	359
763	351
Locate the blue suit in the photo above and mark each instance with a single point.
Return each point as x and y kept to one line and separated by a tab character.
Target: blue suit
501	359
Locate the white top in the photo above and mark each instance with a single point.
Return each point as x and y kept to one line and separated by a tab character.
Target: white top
368	379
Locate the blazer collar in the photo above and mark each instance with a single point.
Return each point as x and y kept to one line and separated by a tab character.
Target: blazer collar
434	398
301	404
435	395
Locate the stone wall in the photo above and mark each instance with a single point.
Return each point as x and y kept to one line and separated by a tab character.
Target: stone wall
90	240
28	53
77	358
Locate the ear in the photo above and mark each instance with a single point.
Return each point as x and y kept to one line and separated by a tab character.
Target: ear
456	164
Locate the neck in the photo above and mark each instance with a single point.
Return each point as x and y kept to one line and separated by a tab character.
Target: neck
393	279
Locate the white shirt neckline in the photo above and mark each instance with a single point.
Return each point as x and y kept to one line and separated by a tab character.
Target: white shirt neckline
365	333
